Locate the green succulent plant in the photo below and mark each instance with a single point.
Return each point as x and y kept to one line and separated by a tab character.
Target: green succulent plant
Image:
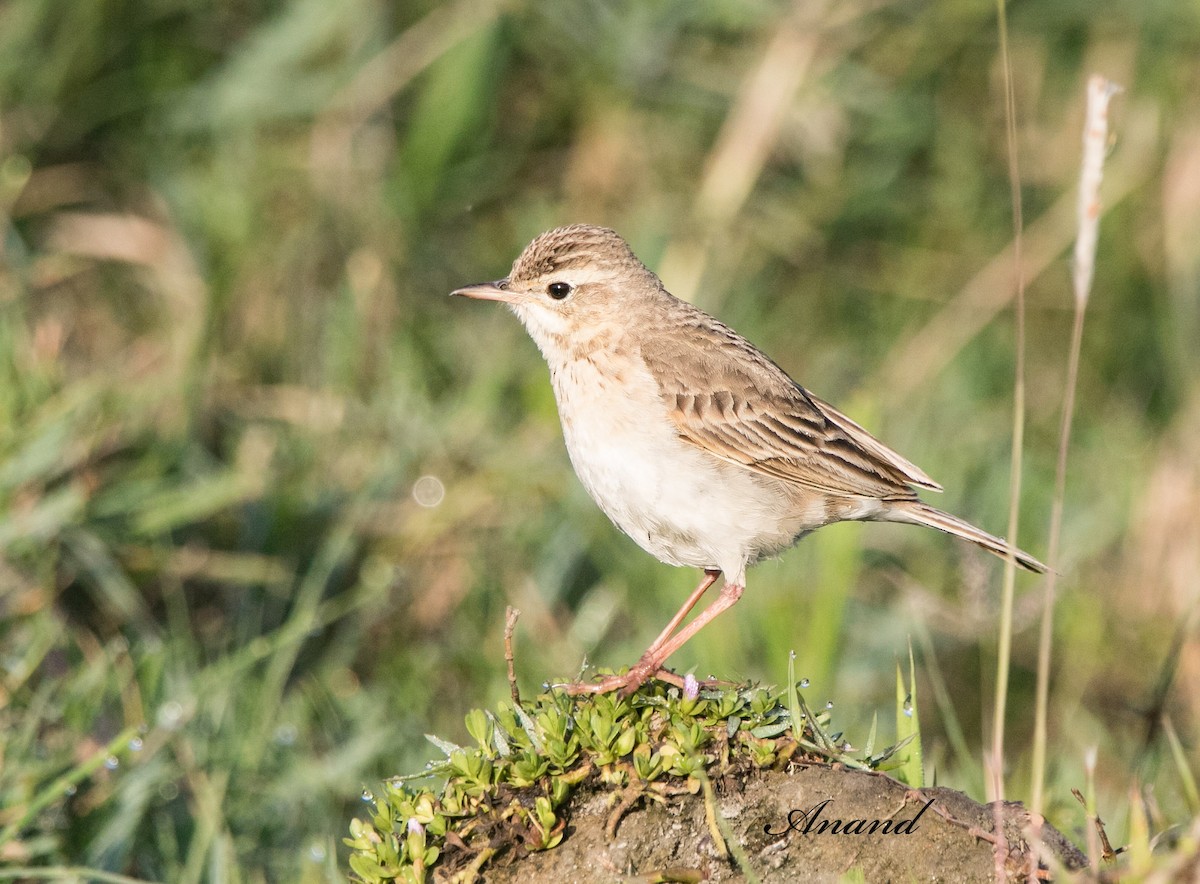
511	788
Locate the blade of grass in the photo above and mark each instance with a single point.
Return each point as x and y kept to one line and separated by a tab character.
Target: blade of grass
1139	835
793	699
73	777
908	726
1187	779
946	711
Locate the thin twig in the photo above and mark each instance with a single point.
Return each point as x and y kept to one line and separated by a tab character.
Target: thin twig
1105	851
511	615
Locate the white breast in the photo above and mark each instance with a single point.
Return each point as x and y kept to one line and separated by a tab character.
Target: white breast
678	502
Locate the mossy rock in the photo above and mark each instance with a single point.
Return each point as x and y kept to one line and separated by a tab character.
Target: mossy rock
681	785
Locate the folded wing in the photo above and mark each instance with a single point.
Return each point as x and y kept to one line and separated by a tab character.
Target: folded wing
747	411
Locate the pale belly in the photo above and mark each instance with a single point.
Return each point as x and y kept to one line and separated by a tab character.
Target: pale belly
679	503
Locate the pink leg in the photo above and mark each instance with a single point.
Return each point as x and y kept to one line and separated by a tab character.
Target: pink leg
710	577
655	657
663	647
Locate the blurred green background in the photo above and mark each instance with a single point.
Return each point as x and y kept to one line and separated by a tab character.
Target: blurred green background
265	491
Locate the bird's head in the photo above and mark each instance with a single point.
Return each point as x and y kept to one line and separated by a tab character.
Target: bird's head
570	284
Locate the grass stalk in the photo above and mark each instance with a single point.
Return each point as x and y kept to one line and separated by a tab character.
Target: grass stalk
1004	650
1095	141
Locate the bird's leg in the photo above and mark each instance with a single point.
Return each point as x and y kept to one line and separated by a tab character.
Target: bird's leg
617	681
656	655
667	643
710	577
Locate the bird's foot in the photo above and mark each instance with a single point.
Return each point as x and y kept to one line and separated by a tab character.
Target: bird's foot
626	683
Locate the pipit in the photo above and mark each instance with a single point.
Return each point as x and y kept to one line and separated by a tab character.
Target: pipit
689	438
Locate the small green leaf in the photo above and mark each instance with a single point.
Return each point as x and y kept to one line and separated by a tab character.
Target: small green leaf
479	726
625	742
908	727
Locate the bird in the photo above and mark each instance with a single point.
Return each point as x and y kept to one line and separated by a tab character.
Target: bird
691	440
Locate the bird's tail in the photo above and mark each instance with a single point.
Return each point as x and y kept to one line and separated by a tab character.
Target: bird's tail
917	513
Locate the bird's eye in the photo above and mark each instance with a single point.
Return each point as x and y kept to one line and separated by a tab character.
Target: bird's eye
558	290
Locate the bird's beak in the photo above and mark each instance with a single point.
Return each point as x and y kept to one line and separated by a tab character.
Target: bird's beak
486	291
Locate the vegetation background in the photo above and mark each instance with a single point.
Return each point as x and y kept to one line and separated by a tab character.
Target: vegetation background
265	491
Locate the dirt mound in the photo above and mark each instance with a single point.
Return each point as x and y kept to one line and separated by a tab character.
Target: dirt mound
790	825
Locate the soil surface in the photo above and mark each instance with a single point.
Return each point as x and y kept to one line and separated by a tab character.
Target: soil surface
948	840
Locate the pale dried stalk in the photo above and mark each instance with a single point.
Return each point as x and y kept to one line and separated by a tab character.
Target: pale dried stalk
1095	146
1004	641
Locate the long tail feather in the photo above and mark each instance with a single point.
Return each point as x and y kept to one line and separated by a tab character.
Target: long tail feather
915	512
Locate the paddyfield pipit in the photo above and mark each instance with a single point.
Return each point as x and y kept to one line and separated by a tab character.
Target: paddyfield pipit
691	440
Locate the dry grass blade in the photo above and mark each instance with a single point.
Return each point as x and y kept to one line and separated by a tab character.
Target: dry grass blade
1095	143
1004	641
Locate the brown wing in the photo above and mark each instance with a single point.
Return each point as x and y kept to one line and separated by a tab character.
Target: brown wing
728	398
